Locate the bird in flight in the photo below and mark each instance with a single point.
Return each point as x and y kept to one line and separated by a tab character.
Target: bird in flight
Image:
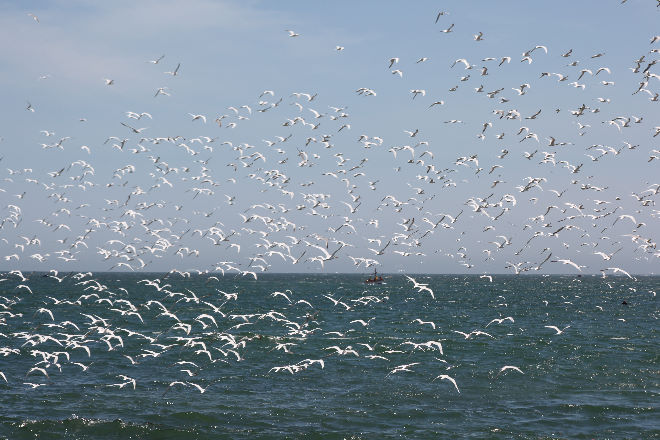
176	71
157	60
569	262
440	14
449	378
555	328
133	129
449	29
509	367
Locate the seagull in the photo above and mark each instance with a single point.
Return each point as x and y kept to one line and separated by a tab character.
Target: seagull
40	370
133	129
199	388
419	321
343	351
338	301
441	13
161	91
157	60
176	71
416	92
617	270
420	286
500	321
292	33
559	332
606	256
509	367
44	310
462	60
195	117
84	367
569	262
24	286
450	379
381	251
405	367
449	29
176	382
274	294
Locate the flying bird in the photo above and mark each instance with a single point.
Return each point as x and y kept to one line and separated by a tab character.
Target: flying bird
555	328
509	367
450	379
175	72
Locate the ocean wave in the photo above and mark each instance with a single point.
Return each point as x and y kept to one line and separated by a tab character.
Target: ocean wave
86	428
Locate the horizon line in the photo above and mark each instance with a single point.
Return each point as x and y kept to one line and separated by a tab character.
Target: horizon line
194	272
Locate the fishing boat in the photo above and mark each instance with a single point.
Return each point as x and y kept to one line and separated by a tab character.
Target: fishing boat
375	279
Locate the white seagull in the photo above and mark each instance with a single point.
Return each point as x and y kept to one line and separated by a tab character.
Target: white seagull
555	328
449	378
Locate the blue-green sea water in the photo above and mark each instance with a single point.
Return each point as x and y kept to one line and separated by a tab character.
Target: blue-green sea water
128	356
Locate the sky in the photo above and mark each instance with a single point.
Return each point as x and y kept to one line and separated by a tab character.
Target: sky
311	139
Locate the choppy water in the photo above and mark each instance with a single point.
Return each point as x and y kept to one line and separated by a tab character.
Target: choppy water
599	378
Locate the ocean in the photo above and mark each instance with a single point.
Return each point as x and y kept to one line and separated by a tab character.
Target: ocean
171	356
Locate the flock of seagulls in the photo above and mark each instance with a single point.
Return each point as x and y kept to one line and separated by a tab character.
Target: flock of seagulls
196	334
218	207
316	192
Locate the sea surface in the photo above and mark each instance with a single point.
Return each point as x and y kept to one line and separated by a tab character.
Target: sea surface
111	364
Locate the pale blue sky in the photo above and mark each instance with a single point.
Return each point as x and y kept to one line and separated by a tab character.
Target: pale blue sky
230	52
